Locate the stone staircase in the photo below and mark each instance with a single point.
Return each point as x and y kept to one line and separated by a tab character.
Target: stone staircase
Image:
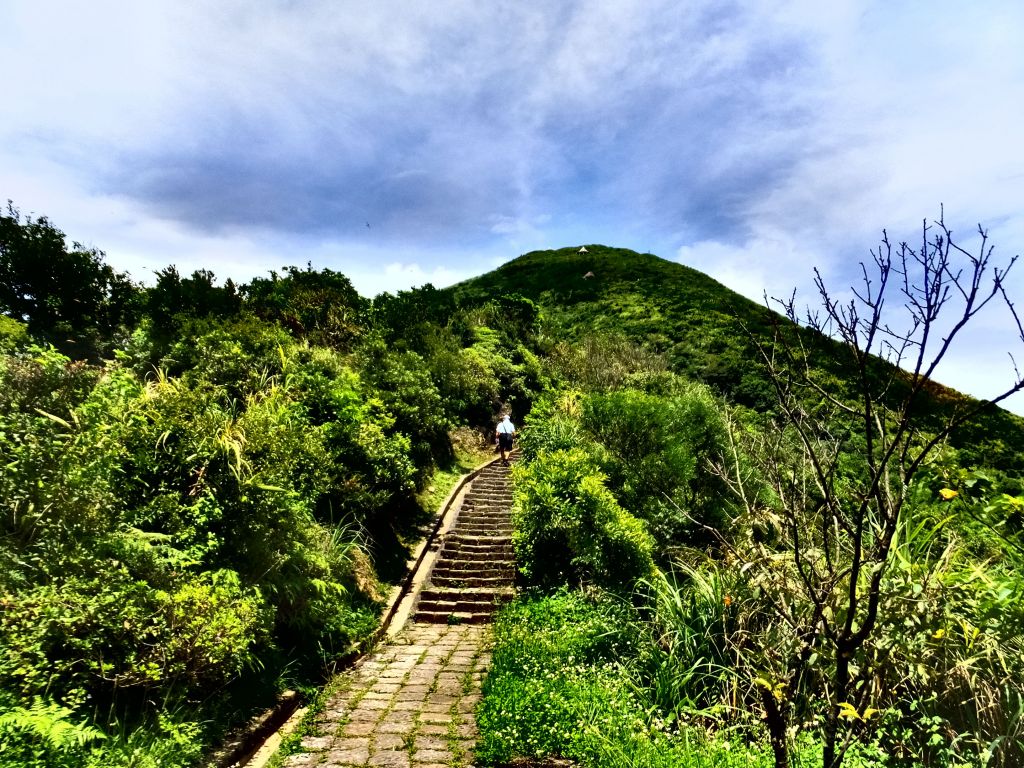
475	570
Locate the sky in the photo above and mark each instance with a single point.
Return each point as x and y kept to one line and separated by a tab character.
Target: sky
406	143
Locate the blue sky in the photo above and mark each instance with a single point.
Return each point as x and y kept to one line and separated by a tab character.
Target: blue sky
752	140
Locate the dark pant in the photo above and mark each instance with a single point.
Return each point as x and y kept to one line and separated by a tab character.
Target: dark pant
505	441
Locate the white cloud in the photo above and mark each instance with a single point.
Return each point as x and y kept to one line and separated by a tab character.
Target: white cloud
772	263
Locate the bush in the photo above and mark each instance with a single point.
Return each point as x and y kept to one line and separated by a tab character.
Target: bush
568	526
657	452
162	539
401	381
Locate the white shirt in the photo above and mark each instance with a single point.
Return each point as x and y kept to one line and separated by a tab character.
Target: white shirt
506	427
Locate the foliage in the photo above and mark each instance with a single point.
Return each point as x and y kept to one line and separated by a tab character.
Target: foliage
174	300
402	383
43	734
840	469
321	306
568	526
13	334
658	452
655	450
69	298
601	362
561	686
163	538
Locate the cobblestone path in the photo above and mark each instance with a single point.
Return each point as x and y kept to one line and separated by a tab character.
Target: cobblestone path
411	704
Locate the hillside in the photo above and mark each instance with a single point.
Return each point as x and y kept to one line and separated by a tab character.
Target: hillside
704	330
824	567
693	319
207	489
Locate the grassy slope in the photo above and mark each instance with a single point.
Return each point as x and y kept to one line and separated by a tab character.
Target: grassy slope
672	308
698	324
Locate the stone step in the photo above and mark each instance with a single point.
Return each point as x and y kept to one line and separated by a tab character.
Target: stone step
489	520
452	604
464	537
478	553
466	594
475	570
460	561
476	541
479	500
461	617
496	533
463	582
484	516
481	536
473	512
472	570
477	515
484	523
488	508
447	608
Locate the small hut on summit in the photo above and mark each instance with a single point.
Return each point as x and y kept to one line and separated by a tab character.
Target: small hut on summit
583	249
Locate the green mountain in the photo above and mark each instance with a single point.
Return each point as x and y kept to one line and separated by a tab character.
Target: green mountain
693	319
706	331
205	490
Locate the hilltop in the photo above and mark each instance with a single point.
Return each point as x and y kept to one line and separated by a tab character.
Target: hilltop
694	320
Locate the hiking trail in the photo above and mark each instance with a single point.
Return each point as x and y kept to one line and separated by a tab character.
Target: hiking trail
411	703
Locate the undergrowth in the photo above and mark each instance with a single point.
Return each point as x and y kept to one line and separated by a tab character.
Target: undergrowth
564	684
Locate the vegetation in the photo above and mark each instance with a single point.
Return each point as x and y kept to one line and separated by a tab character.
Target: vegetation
69	297
838	583
203	503
742	541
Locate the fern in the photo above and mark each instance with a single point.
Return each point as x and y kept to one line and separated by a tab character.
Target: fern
48	724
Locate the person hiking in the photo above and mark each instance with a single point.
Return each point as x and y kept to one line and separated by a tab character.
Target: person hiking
506	434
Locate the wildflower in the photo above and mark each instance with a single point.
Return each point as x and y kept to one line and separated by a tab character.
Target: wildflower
948	494
727	600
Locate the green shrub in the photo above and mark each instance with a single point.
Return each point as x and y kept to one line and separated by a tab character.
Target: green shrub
568	526
658	452
162	539
553	425
402	383
13	334
44	735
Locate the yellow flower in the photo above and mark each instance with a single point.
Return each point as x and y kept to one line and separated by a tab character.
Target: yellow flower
948	494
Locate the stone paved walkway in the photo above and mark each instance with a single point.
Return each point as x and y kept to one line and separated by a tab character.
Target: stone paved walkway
409	705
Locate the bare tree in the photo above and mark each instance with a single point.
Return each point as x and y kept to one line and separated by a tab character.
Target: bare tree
840	466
